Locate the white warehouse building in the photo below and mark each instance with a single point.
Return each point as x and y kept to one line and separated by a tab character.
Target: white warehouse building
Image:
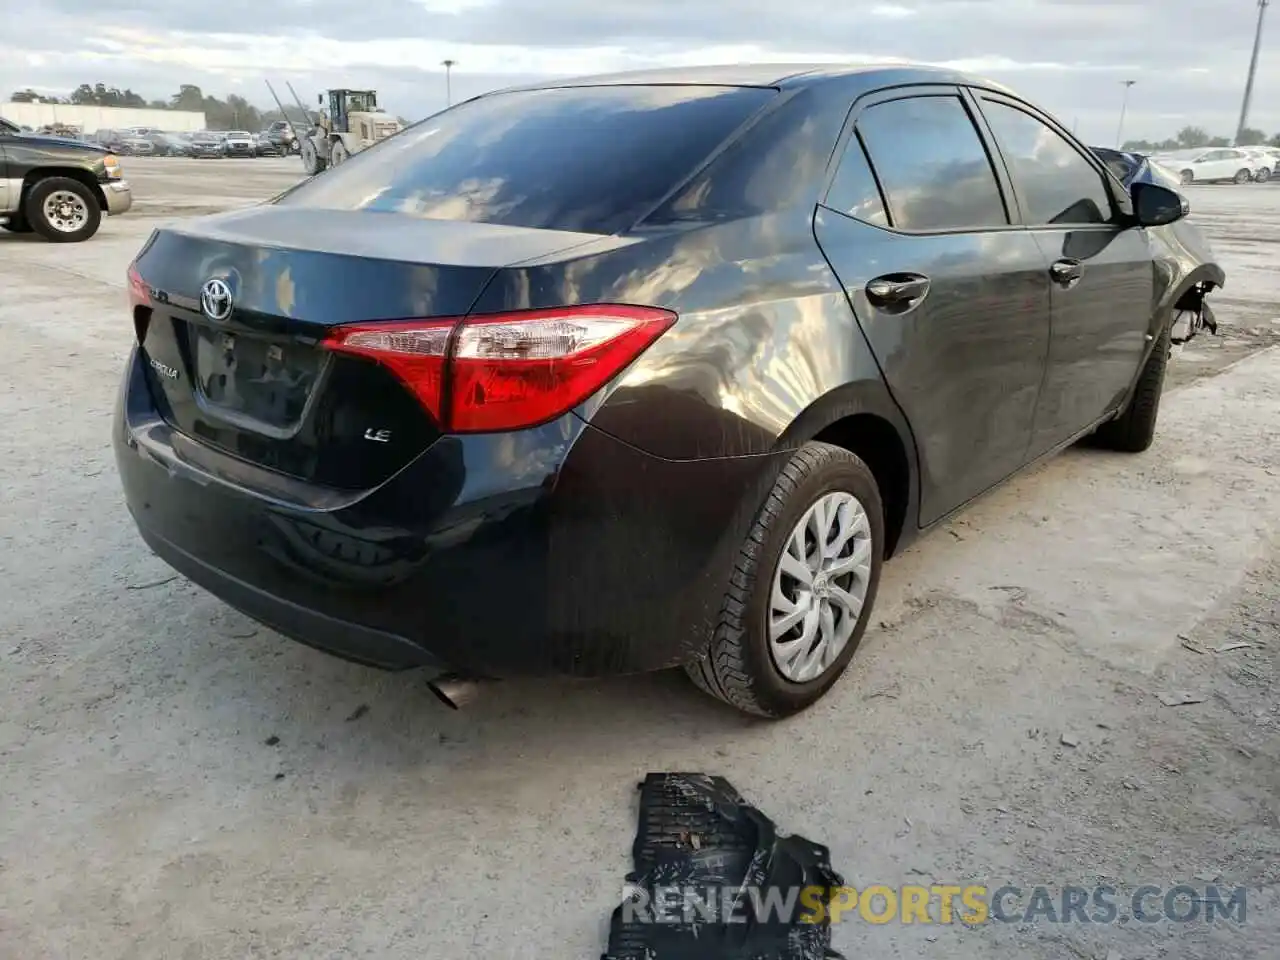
87	119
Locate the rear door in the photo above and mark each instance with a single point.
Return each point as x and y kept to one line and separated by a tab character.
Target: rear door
1101	270
951	295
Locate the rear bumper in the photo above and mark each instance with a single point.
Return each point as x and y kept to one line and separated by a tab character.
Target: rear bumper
557	550
119	196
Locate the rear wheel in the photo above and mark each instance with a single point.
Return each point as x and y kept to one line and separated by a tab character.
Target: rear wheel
1135	429
62	210
802	588
1243	176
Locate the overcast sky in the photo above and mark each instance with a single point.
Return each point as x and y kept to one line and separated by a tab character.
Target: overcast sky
1189	57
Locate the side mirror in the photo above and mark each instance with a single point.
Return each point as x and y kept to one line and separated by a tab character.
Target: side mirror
1155	206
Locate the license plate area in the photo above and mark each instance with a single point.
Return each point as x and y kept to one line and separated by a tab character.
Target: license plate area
240	375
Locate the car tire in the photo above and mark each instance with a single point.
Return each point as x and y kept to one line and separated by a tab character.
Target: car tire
1188	176
1262	176
1135	429
338	153
312	162
1243	176
62	210
741	666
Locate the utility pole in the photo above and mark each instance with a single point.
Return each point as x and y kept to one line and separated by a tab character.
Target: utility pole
1253	70
448	81
1124	107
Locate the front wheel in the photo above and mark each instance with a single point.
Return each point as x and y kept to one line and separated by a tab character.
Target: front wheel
338	153
1187	176
62	210
801	589
1262	176
312	162
1243	176
1135	429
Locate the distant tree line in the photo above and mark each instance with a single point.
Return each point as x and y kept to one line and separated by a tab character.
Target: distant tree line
233	113
1192	138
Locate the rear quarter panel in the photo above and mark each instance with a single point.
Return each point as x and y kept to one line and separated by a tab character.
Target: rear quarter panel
765	332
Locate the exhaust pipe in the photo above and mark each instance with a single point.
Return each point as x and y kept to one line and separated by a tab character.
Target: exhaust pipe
454	691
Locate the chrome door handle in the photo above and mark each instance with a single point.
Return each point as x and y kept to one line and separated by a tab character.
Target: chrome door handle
1066	272
898	290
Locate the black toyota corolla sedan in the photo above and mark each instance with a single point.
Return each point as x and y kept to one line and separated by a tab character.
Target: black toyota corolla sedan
640	371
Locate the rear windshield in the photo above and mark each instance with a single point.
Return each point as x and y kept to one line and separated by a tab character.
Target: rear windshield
589	159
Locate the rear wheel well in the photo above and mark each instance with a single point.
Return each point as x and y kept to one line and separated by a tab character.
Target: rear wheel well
73	173
877	444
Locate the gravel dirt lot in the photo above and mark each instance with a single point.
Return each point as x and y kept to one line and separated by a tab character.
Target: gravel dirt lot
177	782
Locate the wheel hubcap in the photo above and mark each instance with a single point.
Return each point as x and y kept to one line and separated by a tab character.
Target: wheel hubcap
819	587
65	211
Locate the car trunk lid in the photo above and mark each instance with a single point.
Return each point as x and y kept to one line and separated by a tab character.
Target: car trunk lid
237	306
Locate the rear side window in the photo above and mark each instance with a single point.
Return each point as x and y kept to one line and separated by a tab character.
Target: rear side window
932	165
854	190
1055	182
590	159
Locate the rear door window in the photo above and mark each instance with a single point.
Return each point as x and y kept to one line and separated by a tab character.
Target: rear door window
1055	183
592	159
932	165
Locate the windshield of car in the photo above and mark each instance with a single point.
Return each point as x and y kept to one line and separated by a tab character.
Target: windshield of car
592	159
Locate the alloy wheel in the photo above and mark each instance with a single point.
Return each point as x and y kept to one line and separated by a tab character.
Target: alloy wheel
819	587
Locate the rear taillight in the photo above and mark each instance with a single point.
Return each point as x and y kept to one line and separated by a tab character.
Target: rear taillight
139	296
139	292
507	371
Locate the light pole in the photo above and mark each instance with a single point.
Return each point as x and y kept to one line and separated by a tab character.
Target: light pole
448	81
1253	70
1124	106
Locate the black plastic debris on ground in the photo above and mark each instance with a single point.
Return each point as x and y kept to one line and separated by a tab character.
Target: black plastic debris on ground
713	880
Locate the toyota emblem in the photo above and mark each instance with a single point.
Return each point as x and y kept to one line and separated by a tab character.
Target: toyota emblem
215	299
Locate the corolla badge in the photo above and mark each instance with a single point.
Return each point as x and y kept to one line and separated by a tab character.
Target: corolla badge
164	369
215	299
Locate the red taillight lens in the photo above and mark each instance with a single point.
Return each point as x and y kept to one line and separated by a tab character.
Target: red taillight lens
508	371
414	352
139	292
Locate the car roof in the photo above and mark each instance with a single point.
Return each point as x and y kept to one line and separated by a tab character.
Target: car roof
787	75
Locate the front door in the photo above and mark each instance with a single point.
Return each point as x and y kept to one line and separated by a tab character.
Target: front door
1101	271
952	298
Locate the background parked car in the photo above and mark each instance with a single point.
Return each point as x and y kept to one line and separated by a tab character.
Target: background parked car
1266	162
239	143
169	145
266	146
124	142
1211	165
206	143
